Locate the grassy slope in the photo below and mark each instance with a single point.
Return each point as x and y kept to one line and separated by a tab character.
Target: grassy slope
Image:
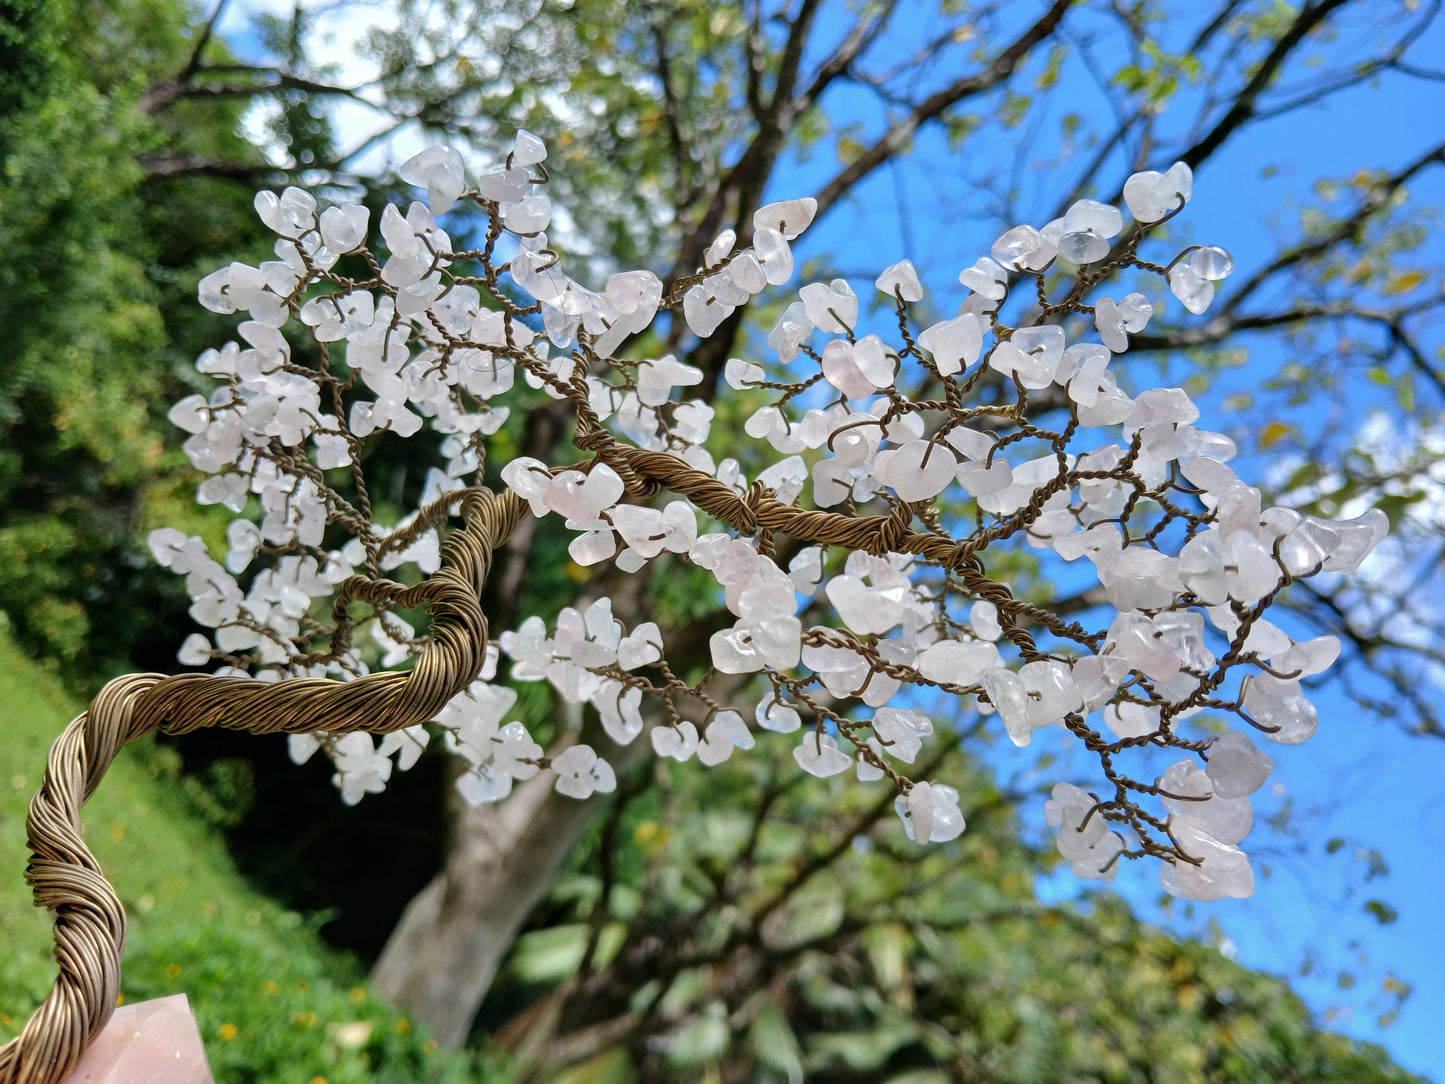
273	1004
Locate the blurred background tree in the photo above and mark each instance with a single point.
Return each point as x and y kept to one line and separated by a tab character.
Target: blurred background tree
101	256
132	137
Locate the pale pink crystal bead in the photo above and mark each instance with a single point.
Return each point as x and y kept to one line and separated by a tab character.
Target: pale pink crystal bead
148	1041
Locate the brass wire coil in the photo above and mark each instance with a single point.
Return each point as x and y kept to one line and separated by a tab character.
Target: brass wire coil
65	876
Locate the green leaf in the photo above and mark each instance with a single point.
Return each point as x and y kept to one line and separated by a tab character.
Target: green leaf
1273	433
849	150
958	126
812	915
1013	109
1403	282
1050	75
887	947
609	1067
553	954
1384	914
1130	77
772	1039
863	1050
701	1041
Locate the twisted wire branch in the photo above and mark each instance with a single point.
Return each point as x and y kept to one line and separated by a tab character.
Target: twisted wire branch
65	876
759	509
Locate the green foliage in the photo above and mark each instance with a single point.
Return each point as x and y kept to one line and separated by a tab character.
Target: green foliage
98	264
586	78
29	32
1155	76
272	1003
796	949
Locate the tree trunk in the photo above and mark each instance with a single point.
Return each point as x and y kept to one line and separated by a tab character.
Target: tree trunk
444	953
440	960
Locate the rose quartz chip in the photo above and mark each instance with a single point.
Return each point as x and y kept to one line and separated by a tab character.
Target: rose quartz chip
150	1042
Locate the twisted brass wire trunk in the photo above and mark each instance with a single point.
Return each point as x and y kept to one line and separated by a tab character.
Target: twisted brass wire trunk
66	878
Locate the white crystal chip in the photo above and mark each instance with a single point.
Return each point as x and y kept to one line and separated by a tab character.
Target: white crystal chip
1151	196
819	755
930	813
1236	767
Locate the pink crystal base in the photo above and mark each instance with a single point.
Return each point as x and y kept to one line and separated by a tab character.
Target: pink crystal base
150	1042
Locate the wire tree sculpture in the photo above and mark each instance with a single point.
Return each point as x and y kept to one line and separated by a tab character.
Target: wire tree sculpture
858	567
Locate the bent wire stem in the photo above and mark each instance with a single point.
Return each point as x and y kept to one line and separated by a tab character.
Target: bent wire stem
65	876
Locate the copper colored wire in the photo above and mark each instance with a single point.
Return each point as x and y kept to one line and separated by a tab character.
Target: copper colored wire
64	875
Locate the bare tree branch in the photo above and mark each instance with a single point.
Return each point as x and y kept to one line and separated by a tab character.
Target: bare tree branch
193	62
855	44
1378	197
176	165
268	80
897	137
792	57
1311	16
671	110
1392	60
753	60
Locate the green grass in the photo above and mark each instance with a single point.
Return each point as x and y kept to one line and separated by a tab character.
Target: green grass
273	1003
